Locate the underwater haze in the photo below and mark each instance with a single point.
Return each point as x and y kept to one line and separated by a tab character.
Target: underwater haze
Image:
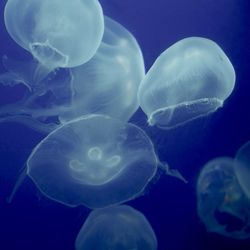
172	211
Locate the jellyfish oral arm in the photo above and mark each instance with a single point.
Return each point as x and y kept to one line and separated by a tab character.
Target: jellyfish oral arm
172	172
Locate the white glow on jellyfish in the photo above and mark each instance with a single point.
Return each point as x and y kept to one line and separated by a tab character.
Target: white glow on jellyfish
190	79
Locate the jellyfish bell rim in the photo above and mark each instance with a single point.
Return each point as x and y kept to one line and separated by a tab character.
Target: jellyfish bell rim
136	194
213	105
38	48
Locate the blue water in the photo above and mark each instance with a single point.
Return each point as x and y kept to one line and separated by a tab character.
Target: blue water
32	221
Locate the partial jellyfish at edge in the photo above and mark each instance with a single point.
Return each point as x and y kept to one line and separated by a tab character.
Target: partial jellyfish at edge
222	205
191	79
242	167
129	230
107	84
57	33
96	161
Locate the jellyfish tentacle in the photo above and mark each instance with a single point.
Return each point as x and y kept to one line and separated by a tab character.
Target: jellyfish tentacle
17	185
171	172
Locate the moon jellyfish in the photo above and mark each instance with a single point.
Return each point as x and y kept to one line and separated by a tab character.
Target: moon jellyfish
95	160
242	168
190	79
58	33
222	205
107	84
116	228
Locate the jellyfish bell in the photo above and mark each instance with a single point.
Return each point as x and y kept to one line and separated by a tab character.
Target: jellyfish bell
112	77
222	205
129	230
190	79
54	31
242	167
95	161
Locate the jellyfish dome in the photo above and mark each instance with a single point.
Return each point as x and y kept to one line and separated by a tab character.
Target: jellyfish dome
109	82
58	33
190	79
242	168
222	205
95	160
116	228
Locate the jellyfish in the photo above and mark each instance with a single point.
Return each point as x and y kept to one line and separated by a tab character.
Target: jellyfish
191	79
107	84
222	204
96	161
242	168
58	33
116	228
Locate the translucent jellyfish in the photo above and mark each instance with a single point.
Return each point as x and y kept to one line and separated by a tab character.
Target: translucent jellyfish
190	79
242	168
116	228
95	160
107	84
58	33
222	205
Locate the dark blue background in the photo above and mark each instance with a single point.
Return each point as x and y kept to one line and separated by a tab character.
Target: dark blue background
33	222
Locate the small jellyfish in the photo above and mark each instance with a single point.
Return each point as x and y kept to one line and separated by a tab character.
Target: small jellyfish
95	161
191	79
222	205
116	228
58	33
242	168
109	82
